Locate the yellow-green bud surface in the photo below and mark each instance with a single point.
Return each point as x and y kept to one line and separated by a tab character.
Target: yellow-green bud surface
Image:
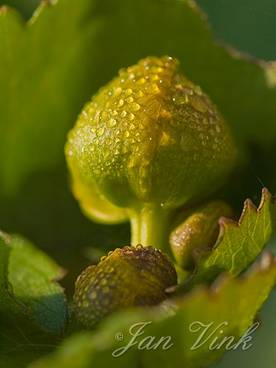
150	140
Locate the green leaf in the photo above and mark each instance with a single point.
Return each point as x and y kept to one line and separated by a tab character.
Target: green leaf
25	7
43	87
238	243
262	353
33	290
50	66
231	301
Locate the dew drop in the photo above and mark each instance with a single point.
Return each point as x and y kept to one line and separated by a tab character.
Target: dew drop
154	77
123	114
104	115
91	148
140	94
198	104
135	106
153	88
112	122
157	70
141	81
132	164
100	132
121	102
125	149
129	99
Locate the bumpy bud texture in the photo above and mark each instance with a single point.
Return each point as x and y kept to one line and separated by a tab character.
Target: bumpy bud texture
149	136
129	276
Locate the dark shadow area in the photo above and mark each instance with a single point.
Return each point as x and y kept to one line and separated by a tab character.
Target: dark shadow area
45	212
22	342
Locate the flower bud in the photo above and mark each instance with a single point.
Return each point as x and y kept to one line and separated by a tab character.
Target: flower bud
129	276
197	232
149	137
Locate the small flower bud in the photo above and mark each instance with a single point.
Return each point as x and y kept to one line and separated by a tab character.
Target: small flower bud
129	276
197	233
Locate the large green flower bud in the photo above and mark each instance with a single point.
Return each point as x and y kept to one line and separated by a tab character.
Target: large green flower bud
148	142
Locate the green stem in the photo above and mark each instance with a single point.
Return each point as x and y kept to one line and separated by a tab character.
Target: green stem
150	226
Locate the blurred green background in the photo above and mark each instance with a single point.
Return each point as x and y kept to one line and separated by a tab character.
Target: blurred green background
248	25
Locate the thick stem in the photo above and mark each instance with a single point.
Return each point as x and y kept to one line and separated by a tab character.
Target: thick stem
150	226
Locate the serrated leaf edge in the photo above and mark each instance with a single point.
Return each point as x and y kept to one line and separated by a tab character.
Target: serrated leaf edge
247	208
